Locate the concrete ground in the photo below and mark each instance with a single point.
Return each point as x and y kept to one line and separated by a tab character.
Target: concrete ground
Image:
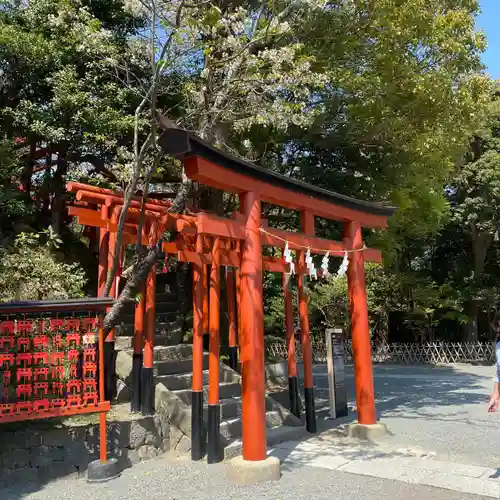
440	435
163	479
438	409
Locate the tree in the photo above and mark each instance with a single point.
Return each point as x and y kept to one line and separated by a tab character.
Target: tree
56	79
475	199
240	71
29	270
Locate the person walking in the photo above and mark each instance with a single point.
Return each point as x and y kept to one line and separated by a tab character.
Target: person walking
495	395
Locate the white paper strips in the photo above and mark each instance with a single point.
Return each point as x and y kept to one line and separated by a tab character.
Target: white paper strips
313	272
324	265
310	265
288	258
343	267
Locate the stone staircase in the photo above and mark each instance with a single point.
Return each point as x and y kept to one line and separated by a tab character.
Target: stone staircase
173	365
173	377
169	320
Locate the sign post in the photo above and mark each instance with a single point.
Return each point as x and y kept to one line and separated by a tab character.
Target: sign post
336	372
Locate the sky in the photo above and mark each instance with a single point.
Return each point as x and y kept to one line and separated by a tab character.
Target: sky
489	22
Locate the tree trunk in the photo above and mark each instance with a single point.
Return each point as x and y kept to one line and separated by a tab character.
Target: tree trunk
138	275
58	192
481	242
27	172
143	265
470	329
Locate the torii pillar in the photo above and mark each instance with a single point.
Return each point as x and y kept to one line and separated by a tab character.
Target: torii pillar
254	463
367	426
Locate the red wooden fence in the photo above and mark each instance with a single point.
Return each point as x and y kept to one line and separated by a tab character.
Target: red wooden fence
51	360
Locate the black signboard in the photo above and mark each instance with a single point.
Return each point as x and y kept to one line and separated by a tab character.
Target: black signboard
336	373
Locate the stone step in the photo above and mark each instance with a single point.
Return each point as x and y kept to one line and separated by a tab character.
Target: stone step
169	328
177	367
226	390
161	317
274	436
231	429
232	407
165	278
170	296
164	303
181	352
124	343
322	405
185	381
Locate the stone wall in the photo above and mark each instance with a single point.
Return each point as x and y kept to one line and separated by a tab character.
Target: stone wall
42	451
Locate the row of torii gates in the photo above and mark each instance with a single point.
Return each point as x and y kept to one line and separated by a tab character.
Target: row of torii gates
208	242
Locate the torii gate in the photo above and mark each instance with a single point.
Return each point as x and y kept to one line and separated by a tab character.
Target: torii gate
237	243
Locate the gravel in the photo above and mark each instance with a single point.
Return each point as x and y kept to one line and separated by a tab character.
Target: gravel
167	479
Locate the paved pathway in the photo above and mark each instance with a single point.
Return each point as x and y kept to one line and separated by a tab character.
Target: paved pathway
382	461
439	409
161	479
442	445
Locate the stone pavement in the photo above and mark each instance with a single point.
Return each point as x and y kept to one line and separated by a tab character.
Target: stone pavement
439	409
413	466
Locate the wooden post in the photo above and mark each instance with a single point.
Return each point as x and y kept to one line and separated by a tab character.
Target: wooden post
213	450
293	386
231	313
252	338
137	360
109	342
103	449
361	346
307	220
103	254
148	391
237	276
206	312
197	387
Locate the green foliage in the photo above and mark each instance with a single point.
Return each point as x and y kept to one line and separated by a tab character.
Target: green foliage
329	303
12	204
377	99
31	270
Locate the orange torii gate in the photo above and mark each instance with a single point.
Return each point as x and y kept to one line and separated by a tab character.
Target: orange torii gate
101	208
205	239
239	244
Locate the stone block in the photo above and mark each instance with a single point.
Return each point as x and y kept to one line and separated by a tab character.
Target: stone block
78	455
122	392
137	434
144	432
43	456
132	457
118	434
367	432
146	452
165	445
16	459
10	477
184	445
124	366
173	409
163	425
56	437
175	436
28	438
246	472
8	442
